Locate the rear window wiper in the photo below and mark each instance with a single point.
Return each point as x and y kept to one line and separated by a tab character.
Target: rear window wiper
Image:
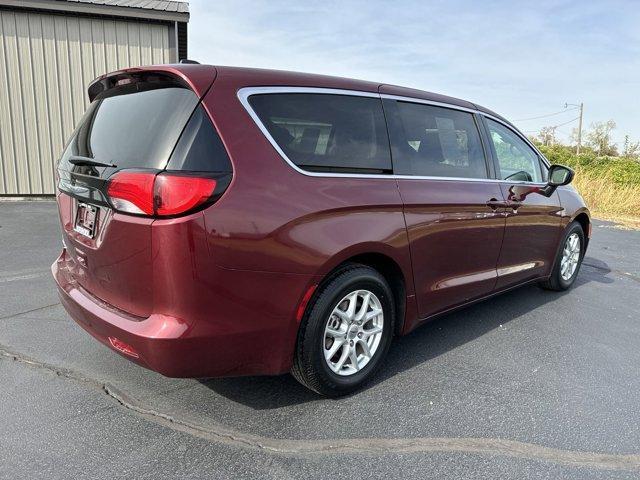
86	161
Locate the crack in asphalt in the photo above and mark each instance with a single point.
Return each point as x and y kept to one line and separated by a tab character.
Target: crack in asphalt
26	276
37	309
365	446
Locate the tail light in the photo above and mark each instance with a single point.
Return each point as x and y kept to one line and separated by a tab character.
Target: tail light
175	194
160	194
132	192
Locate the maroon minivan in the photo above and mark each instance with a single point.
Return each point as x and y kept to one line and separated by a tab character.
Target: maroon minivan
229	221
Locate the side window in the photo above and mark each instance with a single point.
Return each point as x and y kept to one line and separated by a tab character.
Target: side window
517	160
200	148
433	141
326	132
545	170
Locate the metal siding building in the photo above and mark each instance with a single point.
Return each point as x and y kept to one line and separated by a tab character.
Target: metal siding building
50	50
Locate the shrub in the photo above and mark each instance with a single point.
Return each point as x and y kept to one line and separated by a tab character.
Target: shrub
618	170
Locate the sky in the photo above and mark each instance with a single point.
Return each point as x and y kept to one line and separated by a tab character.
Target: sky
520	59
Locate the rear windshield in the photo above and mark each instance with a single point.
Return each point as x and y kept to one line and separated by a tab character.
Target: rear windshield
324	132
131	128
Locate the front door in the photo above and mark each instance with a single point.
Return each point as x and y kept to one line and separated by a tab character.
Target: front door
532	220
452	207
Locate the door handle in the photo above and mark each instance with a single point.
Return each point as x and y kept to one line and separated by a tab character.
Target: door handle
495	204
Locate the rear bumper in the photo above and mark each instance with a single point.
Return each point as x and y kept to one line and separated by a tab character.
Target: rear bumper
218	333
160	342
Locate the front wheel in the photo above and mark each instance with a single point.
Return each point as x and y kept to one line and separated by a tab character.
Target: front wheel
346	333
568	260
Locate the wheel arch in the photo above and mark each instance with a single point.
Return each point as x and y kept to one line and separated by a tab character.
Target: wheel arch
583	218
398	279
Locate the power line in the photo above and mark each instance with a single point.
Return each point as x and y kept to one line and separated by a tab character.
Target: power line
552	126
565	123
555	127
545	116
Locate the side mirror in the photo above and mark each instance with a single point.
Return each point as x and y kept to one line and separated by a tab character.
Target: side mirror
560	175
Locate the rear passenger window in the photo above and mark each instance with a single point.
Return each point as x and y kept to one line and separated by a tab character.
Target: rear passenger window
433	141
327	133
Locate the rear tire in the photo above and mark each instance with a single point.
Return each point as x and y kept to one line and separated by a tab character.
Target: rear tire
346	332
568	260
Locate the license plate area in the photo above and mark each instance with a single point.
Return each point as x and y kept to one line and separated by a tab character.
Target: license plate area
86	220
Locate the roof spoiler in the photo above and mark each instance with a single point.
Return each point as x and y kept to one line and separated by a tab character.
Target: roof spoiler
198	78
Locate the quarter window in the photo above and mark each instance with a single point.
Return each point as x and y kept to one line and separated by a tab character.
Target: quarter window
325	132
517	160
433	141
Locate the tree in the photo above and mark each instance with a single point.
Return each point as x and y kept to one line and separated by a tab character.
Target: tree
599	138
630	149
547	136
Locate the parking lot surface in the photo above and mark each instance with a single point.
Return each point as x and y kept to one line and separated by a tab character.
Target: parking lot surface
530	384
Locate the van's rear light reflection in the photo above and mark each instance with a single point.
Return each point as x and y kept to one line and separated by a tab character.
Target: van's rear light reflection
123	347
159	194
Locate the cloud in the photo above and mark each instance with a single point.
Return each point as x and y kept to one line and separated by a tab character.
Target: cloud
521	59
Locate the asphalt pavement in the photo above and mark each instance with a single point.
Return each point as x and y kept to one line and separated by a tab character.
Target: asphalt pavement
530	384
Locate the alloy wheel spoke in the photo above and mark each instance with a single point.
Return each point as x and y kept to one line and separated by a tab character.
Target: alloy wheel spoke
337	334
342	314
372	331
353	302
337	345
372	314
365	348
343	358
364	307
353	356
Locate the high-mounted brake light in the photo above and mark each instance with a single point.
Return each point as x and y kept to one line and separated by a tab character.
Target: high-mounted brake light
158	194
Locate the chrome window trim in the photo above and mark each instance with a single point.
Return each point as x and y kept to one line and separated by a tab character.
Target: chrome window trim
244	93
470	110
427	102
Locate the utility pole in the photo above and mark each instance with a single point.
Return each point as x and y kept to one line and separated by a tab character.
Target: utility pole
579	124
579	130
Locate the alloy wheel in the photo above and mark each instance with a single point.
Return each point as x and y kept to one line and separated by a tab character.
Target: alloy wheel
570	257
353	332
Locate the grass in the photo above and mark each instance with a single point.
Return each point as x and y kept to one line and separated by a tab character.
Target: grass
610	186
607	199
